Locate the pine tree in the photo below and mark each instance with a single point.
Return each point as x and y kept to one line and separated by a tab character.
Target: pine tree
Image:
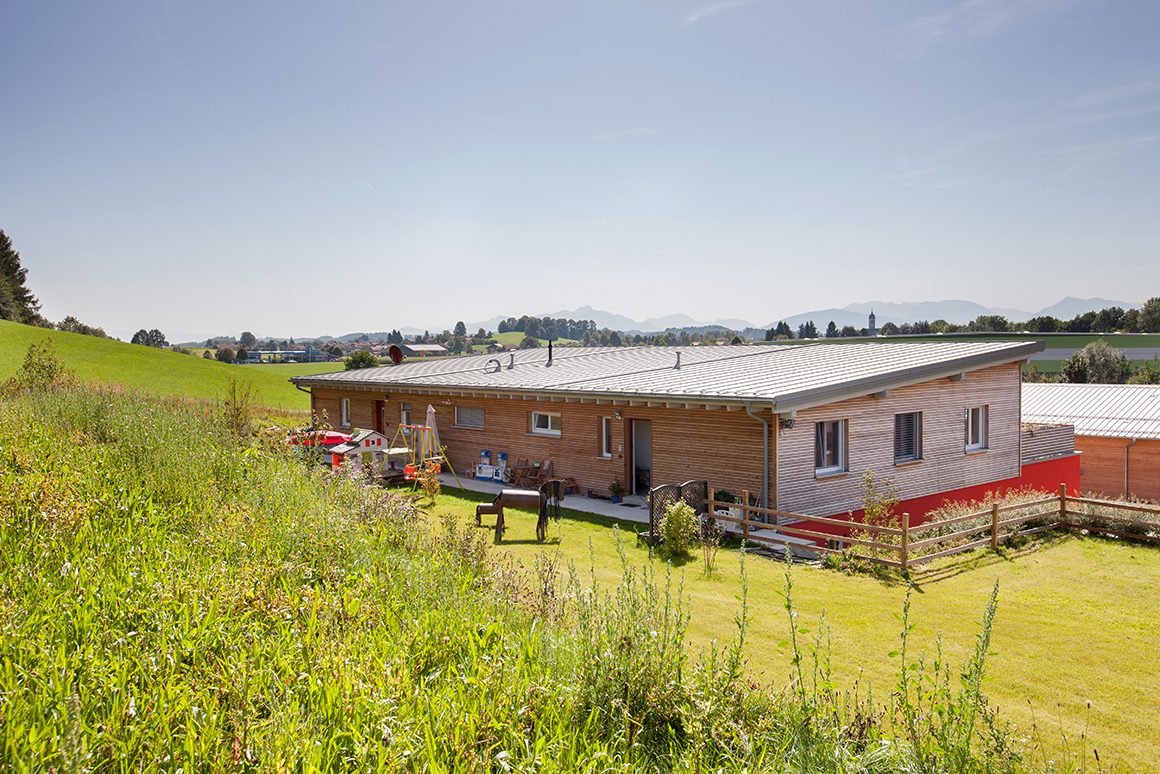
16	301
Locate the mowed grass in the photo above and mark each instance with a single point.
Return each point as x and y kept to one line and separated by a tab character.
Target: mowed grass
154	371
1077	623
287	370
513	338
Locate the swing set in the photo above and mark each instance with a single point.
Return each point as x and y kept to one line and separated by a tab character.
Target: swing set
425	457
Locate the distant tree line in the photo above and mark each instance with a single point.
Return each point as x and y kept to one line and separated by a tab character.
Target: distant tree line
1113	319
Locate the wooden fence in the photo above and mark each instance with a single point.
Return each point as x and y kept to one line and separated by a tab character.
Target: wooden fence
906	546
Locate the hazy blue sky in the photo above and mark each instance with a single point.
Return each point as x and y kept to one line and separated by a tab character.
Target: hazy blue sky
302	168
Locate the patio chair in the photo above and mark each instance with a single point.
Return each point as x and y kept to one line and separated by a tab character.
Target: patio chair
520	473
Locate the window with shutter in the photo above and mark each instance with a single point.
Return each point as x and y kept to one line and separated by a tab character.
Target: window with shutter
907	437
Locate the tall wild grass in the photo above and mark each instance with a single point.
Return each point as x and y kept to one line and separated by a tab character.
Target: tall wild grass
173	597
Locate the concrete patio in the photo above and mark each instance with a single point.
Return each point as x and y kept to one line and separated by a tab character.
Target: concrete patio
633	508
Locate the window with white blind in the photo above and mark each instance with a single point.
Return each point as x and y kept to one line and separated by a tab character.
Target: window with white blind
606	437
346	412
907	437
976	434
830	447
469	417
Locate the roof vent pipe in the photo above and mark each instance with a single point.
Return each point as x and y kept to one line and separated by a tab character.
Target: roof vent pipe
678	365
512	362
549	352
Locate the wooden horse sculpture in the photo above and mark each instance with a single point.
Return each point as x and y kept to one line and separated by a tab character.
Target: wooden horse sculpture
545	500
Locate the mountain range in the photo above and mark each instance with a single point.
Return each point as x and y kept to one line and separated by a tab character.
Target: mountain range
856	314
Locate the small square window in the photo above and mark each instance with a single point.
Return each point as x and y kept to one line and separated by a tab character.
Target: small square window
907	437
466	416
830	447
545	424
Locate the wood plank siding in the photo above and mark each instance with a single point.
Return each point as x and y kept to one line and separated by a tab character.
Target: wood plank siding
1102	466
945	463
1044	441
723	447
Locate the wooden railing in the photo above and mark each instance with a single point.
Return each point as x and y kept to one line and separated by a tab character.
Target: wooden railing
905	546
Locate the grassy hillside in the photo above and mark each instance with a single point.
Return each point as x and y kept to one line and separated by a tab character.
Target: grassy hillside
184	599
155	371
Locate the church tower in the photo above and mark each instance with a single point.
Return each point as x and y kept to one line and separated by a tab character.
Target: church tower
873	329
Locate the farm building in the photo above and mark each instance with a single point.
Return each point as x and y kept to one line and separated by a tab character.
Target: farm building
424	350
1117	429
796	427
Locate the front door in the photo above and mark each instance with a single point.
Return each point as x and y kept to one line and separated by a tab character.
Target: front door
641	456
380	416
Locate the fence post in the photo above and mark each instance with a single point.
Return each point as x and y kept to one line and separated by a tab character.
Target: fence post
905	544
995	526
710	504
745	514
1062	504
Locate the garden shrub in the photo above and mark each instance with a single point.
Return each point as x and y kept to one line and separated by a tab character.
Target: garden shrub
679	529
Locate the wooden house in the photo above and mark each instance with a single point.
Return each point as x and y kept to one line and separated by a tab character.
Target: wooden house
1117	430
795	426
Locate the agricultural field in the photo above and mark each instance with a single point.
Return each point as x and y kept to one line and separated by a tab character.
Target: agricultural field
513	339
1052	340
1076	622
153	371
287	370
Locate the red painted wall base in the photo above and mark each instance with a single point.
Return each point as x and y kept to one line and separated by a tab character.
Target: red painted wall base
1045	475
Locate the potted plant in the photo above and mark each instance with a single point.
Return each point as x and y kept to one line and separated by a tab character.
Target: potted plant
725	496
616	489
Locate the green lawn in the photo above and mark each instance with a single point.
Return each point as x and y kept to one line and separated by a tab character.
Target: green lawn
155	371
1077	623
286	370
513	338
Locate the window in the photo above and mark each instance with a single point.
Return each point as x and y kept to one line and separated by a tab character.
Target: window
976	428
545	424
830	447
405	418
469	417
907	437
346	412
606	437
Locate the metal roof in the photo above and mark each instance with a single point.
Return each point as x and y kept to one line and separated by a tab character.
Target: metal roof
1111	410
786	377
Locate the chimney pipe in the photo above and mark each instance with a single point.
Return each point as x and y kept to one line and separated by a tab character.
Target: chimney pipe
512	362
549	352
678	365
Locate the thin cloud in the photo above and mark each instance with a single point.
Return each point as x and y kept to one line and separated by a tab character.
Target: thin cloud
714	10
971	18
